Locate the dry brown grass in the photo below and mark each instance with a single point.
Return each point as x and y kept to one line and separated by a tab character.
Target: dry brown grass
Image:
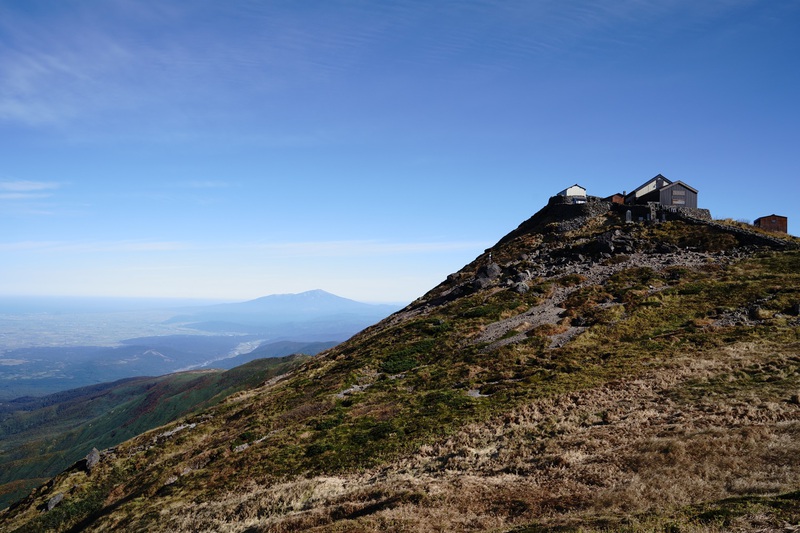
630	448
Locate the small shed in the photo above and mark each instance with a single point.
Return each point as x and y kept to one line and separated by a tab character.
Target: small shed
616	198
575	192
776	223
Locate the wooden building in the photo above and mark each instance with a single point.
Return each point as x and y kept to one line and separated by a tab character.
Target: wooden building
659	189
772	223
678	194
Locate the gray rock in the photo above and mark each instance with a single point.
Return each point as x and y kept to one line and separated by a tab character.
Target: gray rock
481	283
520	287
756	313
54	501
92	459
490	271
604	245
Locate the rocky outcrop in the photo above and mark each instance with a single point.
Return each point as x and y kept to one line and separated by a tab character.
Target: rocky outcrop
92	459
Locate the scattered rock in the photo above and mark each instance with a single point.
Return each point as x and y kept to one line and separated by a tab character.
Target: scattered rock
54	501
92	459
490	271
605	245
757	313
666	248
352	390
481	283
520	287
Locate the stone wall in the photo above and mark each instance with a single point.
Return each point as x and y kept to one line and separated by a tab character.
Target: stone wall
658	212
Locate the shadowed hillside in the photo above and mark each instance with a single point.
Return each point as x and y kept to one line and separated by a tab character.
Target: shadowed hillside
582	373
41	436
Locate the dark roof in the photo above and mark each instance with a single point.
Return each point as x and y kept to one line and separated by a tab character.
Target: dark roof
648	182
768	216
576	185
679	182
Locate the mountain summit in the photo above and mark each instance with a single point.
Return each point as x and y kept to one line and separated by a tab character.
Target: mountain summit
585	372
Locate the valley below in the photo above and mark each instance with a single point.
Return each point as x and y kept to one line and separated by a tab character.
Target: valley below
43	351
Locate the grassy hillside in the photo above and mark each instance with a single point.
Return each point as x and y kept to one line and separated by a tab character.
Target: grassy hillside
583	373
40	437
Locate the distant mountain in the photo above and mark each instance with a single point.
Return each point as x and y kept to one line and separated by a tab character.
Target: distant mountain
316	312
309	305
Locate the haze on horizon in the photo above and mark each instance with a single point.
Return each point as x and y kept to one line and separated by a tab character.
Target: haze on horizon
232	150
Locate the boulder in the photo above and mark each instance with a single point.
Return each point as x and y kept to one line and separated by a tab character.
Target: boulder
92	459
605	245
54	501
490	271
522	276
520	287
481	283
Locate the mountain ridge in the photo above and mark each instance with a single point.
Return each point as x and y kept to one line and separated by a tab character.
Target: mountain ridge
577	374
287	315
312	302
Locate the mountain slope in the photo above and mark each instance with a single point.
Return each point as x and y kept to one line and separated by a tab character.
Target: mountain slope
582	372
41	436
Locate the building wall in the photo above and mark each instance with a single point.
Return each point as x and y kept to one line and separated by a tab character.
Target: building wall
575	190
679	196
652	196
652	186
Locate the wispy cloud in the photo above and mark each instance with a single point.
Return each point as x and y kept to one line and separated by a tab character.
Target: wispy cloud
62	247
20	191
318	249
132	67
22	186
206	184
362	248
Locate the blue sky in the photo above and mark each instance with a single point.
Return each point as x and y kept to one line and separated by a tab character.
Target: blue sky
235	149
